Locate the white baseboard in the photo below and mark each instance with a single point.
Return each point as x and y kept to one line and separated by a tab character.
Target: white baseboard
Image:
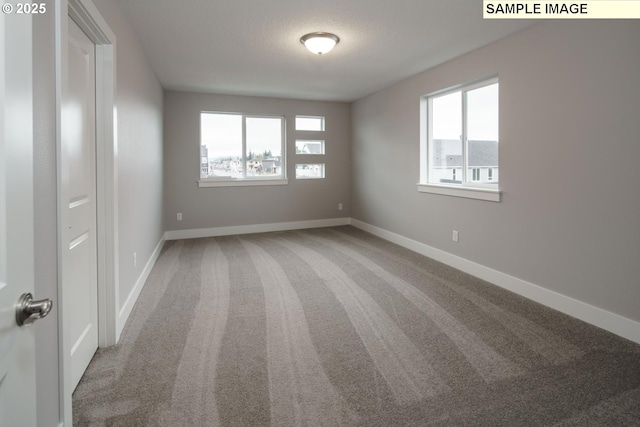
125	310
619	325
254	228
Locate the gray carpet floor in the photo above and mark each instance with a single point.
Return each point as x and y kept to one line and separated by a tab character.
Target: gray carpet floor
334	326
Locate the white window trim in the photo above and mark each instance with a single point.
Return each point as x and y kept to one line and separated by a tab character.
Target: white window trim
478	193
466	189
224	181
241	182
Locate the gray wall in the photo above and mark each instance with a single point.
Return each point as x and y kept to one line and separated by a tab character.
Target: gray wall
230	206
139	103
569	152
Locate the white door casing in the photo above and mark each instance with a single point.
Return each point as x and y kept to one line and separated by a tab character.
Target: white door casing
78	171
85	14
17	351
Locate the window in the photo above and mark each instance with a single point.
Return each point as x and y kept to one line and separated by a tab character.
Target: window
310	123
310	171
245	149
459	141
314	147
304	146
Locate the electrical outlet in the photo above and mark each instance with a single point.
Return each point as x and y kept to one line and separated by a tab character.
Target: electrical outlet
135	259
455	236
339	206
179	216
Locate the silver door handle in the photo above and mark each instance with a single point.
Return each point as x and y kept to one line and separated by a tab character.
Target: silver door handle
28	310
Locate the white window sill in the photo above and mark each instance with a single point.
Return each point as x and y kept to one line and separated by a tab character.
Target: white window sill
459	191
241	182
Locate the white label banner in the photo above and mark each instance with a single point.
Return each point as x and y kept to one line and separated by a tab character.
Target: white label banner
589	9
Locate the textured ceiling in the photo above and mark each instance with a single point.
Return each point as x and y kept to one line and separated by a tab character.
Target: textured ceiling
252	47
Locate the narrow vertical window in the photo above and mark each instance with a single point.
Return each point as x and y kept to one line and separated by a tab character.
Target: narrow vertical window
481	130
222	149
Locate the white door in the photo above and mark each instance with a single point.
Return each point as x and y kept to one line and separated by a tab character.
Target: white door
17	355
78	193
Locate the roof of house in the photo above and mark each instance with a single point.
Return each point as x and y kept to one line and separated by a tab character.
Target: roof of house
481	153
313	147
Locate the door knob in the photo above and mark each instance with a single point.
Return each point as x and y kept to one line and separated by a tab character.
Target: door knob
28	310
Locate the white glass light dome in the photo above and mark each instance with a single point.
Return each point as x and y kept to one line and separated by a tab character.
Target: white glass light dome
319	43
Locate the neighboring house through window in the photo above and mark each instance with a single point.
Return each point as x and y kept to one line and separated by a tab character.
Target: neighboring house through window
304	146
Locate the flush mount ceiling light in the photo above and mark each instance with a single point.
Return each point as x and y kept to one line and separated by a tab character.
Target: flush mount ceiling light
319	43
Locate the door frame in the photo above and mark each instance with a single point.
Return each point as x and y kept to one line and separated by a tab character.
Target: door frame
89	19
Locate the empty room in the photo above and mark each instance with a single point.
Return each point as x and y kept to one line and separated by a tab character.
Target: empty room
298	213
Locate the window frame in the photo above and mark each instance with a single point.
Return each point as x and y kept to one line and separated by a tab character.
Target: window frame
301	116
321	141
224	181
323	168
467	188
